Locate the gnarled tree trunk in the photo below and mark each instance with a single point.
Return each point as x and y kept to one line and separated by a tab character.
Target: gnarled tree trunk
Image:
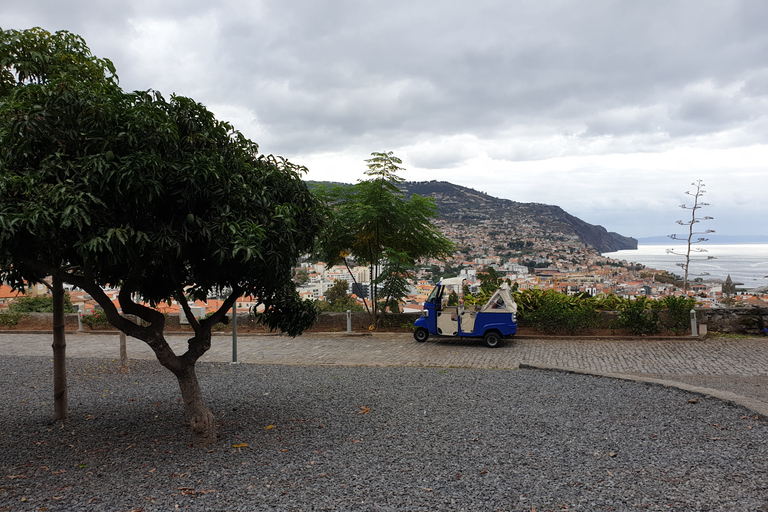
200	417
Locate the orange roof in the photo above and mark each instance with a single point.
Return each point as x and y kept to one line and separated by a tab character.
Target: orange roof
7	293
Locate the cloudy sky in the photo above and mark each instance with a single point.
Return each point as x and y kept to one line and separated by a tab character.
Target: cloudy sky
609	109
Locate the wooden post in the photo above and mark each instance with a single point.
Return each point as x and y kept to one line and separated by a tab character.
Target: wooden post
123	355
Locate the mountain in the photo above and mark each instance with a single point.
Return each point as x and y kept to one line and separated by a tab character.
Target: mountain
457	203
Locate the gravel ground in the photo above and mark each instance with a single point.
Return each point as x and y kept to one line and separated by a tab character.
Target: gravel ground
331	438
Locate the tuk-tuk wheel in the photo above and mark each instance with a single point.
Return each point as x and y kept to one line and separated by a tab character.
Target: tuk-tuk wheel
492	339
421	334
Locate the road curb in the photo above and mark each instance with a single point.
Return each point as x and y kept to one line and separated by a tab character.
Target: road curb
758	406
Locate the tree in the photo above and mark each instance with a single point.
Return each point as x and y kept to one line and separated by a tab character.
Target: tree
301	276
337	292
156	197
37	68
490	280
691	238
337	298
373	222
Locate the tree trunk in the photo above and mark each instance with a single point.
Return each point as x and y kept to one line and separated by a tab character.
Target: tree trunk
200	417
59	352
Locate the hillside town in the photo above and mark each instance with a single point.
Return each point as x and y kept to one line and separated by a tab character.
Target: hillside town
526	254
531	259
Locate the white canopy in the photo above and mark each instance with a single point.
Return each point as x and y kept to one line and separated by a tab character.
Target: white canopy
501	301
452	281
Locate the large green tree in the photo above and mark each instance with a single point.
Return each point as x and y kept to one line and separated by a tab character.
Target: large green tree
373	222
152	195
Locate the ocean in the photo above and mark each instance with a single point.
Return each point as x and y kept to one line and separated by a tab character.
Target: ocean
746	263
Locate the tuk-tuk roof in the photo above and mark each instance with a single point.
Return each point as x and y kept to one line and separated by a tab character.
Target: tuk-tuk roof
501	301
452	281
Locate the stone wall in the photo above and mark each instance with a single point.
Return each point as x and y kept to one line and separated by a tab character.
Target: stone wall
44	322
732	321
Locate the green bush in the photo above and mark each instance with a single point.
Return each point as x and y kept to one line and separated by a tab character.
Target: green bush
679	311
641	316
39	304
95	321
10	318
556	313
340	305
610	302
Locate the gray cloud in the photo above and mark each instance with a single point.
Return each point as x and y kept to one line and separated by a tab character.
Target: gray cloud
490	85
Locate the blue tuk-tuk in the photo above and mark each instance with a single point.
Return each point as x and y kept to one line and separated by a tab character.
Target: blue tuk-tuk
493	322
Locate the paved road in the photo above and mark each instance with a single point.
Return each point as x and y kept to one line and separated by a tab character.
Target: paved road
729	368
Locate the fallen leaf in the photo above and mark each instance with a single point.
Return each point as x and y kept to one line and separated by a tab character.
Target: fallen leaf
270	427
364	410
693	401
240	445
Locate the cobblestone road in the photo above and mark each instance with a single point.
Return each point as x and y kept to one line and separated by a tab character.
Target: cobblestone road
731	366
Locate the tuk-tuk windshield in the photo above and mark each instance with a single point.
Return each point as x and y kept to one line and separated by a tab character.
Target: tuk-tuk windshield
432	295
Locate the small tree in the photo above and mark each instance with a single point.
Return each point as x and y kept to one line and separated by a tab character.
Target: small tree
374	223
337	292
337	299
692	237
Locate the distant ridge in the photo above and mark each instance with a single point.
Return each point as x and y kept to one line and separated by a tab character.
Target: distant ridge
712	239
462	204
458	203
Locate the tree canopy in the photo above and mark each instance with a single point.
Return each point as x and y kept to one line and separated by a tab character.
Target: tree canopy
154	196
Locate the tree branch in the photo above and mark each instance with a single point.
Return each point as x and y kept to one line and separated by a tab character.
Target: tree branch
184	303
219	315
201	342
152	335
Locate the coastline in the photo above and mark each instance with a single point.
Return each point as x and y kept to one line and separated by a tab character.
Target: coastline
747	264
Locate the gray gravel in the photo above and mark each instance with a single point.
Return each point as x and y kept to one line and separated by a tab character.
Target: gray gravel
331	438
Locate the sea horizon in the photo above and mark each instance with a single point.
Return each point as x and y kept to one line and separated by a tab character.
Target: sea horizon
746	263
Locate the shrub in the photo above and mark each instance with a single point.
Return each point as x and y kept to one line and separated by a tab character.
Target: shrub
97	320
610	302
679	310
10	318
39	304
640	316
557	313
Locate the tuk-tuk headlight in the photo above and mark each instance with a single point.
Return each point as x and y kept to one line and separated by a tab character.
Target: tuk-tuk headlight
514	317
425	313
